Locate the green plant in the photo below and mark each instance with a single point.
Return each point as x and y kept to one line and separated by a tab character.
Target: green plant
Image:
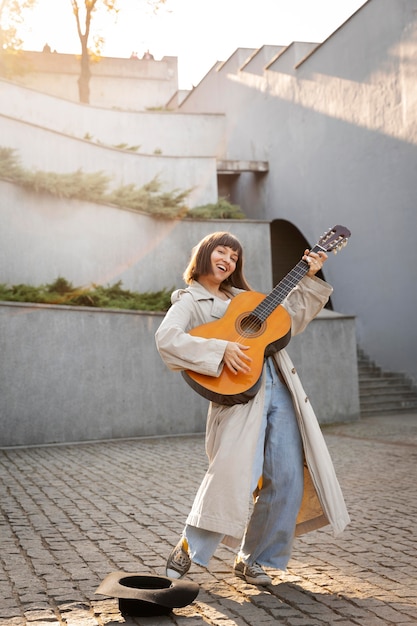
80	185
62	292
93	187
150	199
125	146
9	165
219	210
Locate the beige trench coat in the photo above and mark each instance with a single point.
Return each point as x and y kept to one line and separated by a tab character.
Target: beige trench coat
222	503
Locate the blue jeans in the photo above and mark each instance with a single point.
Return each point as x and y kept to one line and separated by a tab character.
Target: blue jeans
269	534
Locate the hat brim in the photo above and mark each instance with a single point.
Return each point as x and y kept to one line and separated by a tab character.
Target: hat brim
161	590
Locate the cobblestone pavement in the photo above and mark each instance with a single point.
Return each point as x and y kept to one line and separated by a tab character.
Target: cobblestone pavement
72	514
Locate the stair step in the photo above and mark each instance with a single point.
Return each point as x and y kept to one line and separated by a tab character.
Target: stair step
389	392
399	400
378	373
378	410
389	400
382	383
382	392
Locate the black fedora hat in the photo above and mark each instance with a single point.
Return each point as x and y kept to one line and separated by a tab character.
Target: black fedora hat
143	595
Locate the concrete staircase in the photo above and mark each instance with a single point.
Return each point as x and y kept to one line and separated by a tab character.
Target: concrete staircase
383	392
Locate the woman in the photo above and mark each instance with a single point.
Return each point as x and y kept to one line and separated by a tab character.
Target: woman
271	447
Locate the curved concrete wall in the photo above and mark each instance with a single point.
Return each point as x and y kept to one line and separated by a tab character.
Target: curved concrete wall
43	237
163	132
50	151
77	374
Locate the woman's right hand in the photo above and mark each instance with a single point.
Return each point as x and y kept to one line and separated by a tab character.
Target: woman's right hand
235	358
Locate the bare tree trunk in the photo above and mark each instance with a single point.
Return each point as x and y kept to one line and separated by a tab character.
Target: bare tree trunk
85	75
89	8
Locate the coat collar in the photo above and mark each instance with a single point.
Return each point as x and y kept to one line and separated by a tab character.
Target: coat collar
200	293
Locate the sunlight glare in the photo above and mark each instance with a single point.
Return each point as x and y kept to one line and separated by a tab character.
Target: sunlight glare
198	33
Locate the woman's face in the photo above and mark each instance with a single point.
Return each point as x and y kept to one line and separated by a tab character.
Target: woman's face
223	262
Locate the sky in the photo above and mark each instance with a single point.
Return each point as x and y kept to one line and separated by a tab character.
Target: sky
198	32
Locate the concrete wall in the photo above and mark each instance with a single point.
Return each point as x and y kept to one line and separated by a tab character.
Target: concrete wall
336	123
50	151
43	237
154	132
338	127
77	374
126	83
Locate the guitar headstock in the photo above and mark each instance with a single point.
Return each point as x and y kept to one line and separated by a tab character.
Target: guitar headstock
334	239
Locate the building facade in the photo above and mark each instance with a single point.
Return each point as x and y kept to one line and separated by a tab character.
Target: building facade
304	137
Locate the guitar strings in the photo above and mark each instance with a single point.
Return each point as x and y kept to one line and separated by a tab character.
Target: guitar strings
277	295
264	309
272	300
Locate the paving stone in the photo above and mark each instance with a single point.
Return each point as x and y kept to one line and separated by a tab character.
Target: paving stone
72	514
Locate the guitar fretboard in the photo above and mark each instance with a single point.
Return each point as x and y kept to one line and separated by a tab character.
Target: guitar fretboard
281	291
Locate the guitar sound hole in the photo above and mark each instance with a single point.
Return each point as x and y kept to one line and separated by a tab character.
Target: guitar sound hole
250	325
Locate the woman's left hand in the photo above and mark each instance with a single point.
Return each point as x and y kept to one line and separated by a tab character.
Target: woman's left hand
315	261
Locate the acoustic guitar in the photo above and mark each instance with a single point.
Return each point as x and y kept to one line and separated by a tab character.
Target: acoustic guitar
257	321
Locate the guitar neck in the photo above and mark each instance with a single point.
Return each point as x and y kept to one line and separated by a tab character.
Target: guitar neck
281	291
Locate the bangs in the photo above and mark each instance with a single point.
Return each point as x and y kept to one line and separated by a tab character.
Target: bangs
226	239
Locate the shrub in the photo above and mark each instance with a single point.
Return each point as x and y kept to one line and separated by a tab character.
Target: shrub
112	296
93	186
220	210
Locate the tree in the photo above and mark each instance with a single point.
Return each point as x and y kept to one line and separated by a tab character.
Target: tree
83	11
90	7
12	14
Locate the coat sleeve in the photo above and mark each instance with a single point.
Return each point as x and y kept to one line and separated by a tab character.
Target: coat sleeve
179	350
305	301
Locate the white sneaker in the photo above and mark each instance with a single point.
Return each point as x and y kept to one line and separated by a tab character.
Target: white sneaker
253	574
179	561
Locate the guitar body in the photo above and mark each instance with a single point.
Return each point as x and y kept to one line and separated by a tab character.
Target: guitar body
238	325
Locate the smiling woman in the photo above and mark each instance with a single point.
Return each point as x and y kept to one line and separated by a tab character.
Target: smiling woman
217	263
256	445
185	28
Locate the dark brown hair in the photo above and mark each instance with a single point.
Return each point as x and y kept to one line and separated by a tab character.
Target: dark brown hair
200	262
